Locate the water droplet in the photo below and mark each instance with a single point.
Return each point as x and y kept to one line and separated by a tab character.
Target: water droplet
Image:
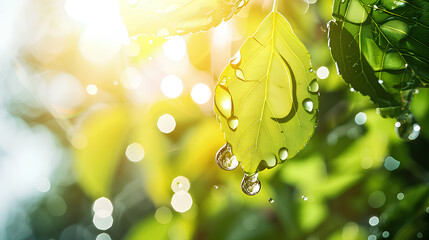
250	184
223	81
223	101
241	4
420	235
376	7
380	81
407	127
308	105
215	186
233	123
283	153
342	1
313	87
270	200
239	74
225	159
304	198
352	90
416	91
236	60
311	70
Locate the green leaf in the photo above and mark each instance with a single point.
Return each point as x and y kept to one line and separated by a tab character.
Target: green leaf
96	164
177	17
381	49
267	97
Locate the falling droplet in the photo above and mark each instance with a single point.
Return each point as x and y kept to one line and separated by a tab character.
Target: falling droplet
407	127
304	198
239	74
215	186
223	101
223	81
250	184
270	200
313	87
236	60
283	153
308	105
225	159
233	123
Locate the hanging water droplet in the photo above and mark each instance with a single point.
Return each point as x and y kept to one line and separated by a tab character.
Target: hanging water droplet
223	101
283	153
233	123
313	87
236	60
308	105
311	70
304	198
407	127
225	159
250	184
215	186
270	200
223	81
239	74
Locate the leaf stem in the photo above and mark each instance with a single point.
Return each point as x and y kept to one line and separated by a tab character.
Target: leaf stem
275	5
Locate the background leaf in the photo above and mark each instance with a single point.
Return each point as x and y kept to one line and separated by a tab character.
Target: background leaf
381	49
177	17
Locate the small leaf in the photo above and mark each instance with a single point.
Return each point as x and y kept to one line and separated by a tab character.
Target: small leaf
264	101
381	49
177	17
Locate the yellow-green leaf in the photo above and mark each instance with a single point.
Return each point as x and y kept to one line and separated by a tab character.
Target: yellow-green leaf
177	17
267	97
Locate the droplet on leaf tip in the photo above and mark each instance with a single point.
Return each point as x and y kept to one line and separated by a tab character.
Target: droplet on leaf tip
283	153
313	87
225	159
250	184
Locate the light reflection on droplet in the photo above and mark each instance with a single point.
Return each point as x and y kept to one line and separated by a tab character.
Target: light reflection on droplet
163	215
420	235
175	48
385	234
322	72
201	93
91	89
270	200
171	86
304	198
166	123
181	201
372	237
102	207
360	118
135	152
180	183
400	196
250	184
373	221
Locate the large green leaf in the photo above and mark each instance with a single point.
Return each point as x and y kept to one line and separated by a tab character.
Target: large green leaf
177	17
381	49
267	97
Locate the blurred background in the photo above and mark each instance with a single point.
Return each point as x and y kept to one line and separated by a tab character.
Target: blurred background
109	137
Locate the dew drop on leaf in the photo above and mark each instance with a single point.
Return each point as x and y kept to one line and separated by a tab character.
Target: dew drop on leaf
270	200
223	102
225	159
407	127
215	186
236	60
304	198
239	74
223	81
233	123
308	105
283	153
313	87
250	184
311	70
